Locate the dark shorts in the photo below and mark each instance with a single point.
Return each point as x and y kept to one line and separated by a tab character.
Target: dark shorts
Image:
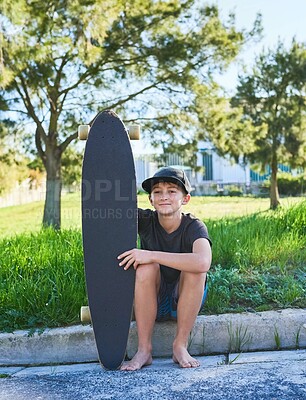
168	297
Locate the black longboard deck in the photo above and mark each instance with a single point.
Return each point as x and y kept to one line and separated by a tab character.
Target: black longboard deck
109	227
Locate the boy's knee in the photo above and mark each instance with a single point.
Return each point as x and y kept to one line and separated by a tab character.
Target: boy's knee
147	272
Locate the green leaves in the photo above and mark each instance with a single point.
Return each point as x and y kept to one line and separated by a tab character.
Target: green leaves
265	122
62	61
71	46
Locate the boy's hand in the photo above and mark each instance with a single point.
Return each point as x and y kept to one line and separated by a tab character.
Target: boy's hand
134	257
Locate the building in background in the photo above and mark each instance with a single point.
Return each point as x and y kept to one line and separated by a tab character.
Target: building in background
216	175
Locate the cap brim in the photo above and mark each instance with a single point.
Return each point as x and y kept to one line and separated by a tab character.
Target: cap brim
150	182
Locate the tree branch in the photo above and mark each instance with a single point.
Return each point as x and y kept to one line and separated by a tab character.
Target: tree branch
66	142
62	147
132	96
28	105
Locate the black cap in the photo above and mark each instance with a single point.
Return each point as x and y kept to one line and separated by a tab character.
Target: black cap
168	174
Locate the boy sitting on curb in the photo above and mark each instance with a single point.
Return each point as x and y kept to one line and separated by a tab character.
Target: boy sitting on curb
170	268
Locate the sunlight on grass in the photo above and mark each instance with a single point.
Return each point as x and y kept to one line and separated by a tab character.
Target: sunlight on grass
28	217
258	262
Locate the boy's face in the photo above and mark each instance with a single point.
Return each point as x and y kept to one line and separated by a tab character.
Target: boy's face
167	198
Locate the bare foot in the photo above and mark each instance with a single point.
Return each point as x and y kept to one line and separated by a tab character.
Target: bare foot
141	359
183	358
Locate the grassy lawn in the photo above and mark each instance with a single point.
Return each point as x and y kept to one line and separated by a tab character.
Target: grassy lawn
28	217
259	260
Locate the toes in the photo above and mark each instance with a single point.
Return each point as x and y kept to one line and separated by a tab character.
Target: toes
130	367
184	359
195	364
188	363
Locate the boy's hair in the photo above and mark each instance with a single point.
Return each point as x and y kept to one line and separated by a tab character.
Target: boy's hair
168	174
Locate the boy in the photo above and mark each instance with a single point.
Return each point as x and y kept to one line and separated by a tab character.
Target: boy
170	268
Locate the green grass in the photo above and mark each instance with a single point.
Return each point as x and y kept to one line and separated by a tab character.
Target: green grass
28	217
41	279
259	259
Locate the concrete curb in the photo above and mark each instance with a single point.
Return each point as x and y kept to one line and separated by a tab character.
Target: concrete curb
215	334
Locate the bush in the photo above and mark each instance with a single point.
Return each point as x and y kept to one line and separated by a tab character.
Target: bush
234	190
289	185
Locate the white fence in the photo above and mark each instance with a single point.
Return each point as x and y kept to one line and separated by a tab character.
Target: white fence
22	194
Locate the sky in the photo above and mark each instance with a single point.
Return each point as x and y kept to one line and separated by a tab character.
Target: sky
281	19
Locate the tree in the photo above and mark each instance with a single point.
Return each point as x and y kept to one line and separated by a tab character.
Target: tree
63	60
273	97
266	120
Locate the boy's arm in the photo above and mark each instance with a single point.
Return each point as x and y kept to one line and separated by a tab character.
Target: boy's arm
196	262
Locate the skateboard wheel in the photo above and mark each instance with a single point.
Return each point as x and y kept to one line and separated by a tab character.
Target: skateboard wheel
83	131
134	132
85	314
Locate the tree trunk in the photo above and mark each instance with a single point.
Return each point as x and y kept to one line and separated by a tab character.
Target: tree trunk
274	195
52	210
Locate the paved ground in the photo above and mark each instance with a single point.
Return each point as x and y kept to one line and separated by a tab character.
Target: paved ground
266	375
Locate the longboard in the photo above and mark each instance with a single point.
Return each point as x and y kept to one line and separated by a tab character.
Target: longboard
109	227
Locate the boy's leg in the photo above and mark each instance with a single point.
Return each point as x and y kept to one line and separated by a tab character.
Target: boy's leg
191	292
145	305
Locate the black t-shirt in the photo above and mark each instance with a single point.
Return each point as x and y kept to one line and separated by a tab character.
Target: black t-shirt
154	237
